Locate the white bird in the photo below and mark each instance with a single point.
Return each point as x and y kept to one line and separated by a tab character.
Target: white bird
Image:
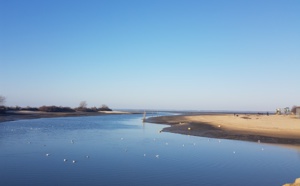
47	154
122	138
183	145
65	160
157	156
144	154
87	156
233	152
73	161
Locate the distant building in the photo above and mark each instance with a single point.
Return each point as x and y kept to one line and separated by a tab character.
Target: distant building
287	110
298	111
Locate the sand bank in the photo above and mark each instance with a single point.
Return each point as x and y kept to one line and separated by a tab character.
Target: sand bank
268	129
296	183
19	115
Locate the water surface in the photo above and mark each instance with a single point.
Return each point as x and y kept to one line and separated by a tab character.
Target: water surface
121	150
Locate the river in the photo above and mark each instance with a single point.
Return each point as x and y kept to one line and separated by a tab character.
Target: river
122	150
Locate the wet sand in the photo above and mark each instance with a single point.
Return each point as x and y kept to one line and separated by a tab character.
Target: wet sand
20	115
278	129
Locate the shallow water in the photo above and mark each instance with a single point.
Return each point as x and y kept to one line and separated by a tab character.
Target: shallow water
121	150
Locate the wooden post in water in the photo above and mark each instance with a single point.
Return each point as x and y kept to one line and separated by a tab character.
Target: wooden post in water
144	117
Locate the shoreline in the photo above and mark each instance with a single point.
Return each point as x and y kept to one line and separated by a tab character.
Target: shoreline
24	115
246	127
275	129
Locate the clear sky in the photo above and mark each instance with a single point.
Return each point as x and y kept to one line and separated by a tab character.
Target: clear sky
151	54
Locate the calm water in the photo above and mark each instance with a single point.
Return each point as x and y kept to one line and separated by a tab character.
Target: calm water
121	150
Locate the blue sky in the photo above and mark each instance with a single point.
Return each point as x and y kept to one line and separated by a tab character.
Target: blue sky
151	54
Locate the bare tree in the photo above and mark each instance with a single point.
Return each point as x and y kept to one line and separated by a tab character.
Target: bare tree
2	100
82	104
104	106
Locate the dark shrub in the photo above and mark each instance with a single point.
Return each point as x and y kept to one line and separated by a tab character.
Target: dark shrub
55	109
104	108
83	109
16	108
2	109
30	109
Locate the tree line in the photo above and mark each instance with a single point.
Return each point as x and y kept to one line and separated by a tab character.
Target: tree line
81	108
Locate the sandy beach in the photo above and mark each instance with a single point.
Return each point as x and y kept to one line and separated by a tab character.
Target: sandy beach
280	129
19	115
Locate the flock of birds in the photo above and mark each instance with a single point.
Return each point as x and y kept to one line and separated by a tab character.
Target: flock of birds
65	160
126	149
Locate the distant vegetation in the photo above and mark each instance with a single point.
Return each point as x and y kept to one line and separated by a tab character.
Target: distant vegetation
55	109
82	108
2	107
2	100
92	109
